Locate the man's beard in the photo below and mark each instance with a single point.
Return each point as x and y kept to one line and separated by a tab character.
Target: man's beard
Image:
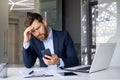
43	36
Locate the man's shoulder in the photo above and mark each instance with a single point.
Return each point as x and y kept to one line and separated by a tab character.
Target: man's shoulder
60	32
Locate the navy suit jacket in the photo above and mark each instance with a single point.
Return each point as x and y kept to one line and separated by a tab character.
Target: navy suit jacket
63	47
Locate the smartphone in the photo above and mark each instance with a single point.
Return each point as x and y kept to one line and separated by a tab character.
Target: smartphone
46	52
67	74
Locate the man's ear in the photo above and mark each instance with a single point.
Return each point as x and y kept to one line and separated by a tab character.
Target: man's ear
44	22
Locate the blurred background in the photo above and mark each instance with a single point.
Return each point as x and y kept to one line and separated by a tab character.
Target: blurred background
89	23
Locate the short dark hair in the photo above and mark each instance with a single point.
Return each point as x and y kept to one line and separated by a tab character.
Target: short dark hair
31	17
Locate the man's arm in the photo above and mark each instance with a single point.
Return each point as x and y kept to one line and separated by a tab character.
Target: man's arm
71	58
29	56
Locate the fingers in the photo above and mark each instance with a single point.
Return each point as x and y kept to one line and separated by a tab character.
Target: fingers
28	31
56	59
47	61
27	34
49	57
51	60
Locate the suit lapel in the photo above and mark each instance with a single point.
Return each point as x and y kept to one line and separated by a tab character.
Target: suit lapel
55	42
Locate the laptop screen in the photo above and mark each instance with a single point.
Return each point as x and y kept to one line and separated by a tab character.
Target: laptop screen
103	56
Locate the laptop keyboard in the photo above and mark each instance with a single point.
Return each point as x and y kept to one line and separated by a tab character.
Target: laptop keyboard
84	68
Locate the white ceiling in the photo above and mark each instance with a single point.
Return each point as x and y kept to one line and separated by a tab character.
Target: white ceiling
21	5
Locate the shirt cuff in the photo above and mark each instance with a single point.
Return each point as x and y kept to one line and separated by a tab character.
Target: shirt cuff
61	63
26	45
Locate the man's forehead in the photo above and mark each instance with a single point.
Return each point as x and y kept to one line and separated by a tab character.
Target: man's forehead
36	25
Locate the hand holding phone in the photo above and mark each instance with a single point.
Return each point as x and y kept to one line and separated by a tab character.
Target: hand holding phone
46	52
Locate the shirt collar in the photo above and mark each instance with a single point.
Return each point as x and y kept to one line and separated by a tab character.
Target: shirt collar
50	34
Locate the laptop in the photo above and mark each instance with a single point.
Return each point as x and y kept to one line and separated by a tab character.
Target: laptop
101	60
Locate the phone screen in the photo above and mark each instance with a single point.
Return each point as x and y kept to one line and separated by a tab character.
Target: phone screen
67	73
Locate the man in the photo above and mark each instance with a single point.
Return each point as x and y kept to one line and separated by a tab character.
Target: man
37	37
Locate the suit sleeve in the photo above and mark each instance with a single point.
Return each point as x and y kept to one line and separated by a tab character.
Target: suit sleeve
70	58
29	57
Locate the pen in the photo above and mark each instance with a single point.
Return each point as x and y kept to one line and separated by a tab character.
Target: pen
31	72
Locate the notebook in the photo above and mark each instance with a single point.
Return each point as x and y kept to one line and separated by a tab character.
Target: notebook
101	60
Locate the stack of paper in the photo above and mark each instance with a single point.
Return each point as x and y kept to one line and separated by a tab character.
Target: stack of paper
29	74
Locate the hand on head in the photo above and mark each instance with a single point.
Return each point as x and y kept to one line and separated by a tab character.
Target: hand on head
27	34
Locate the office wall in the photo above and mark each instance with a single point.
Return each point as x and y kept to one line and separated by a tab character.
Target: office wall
3	27
15	37
72	19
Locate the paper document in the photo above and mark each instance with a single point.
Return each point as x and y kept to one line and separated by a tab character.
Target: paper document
34	73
